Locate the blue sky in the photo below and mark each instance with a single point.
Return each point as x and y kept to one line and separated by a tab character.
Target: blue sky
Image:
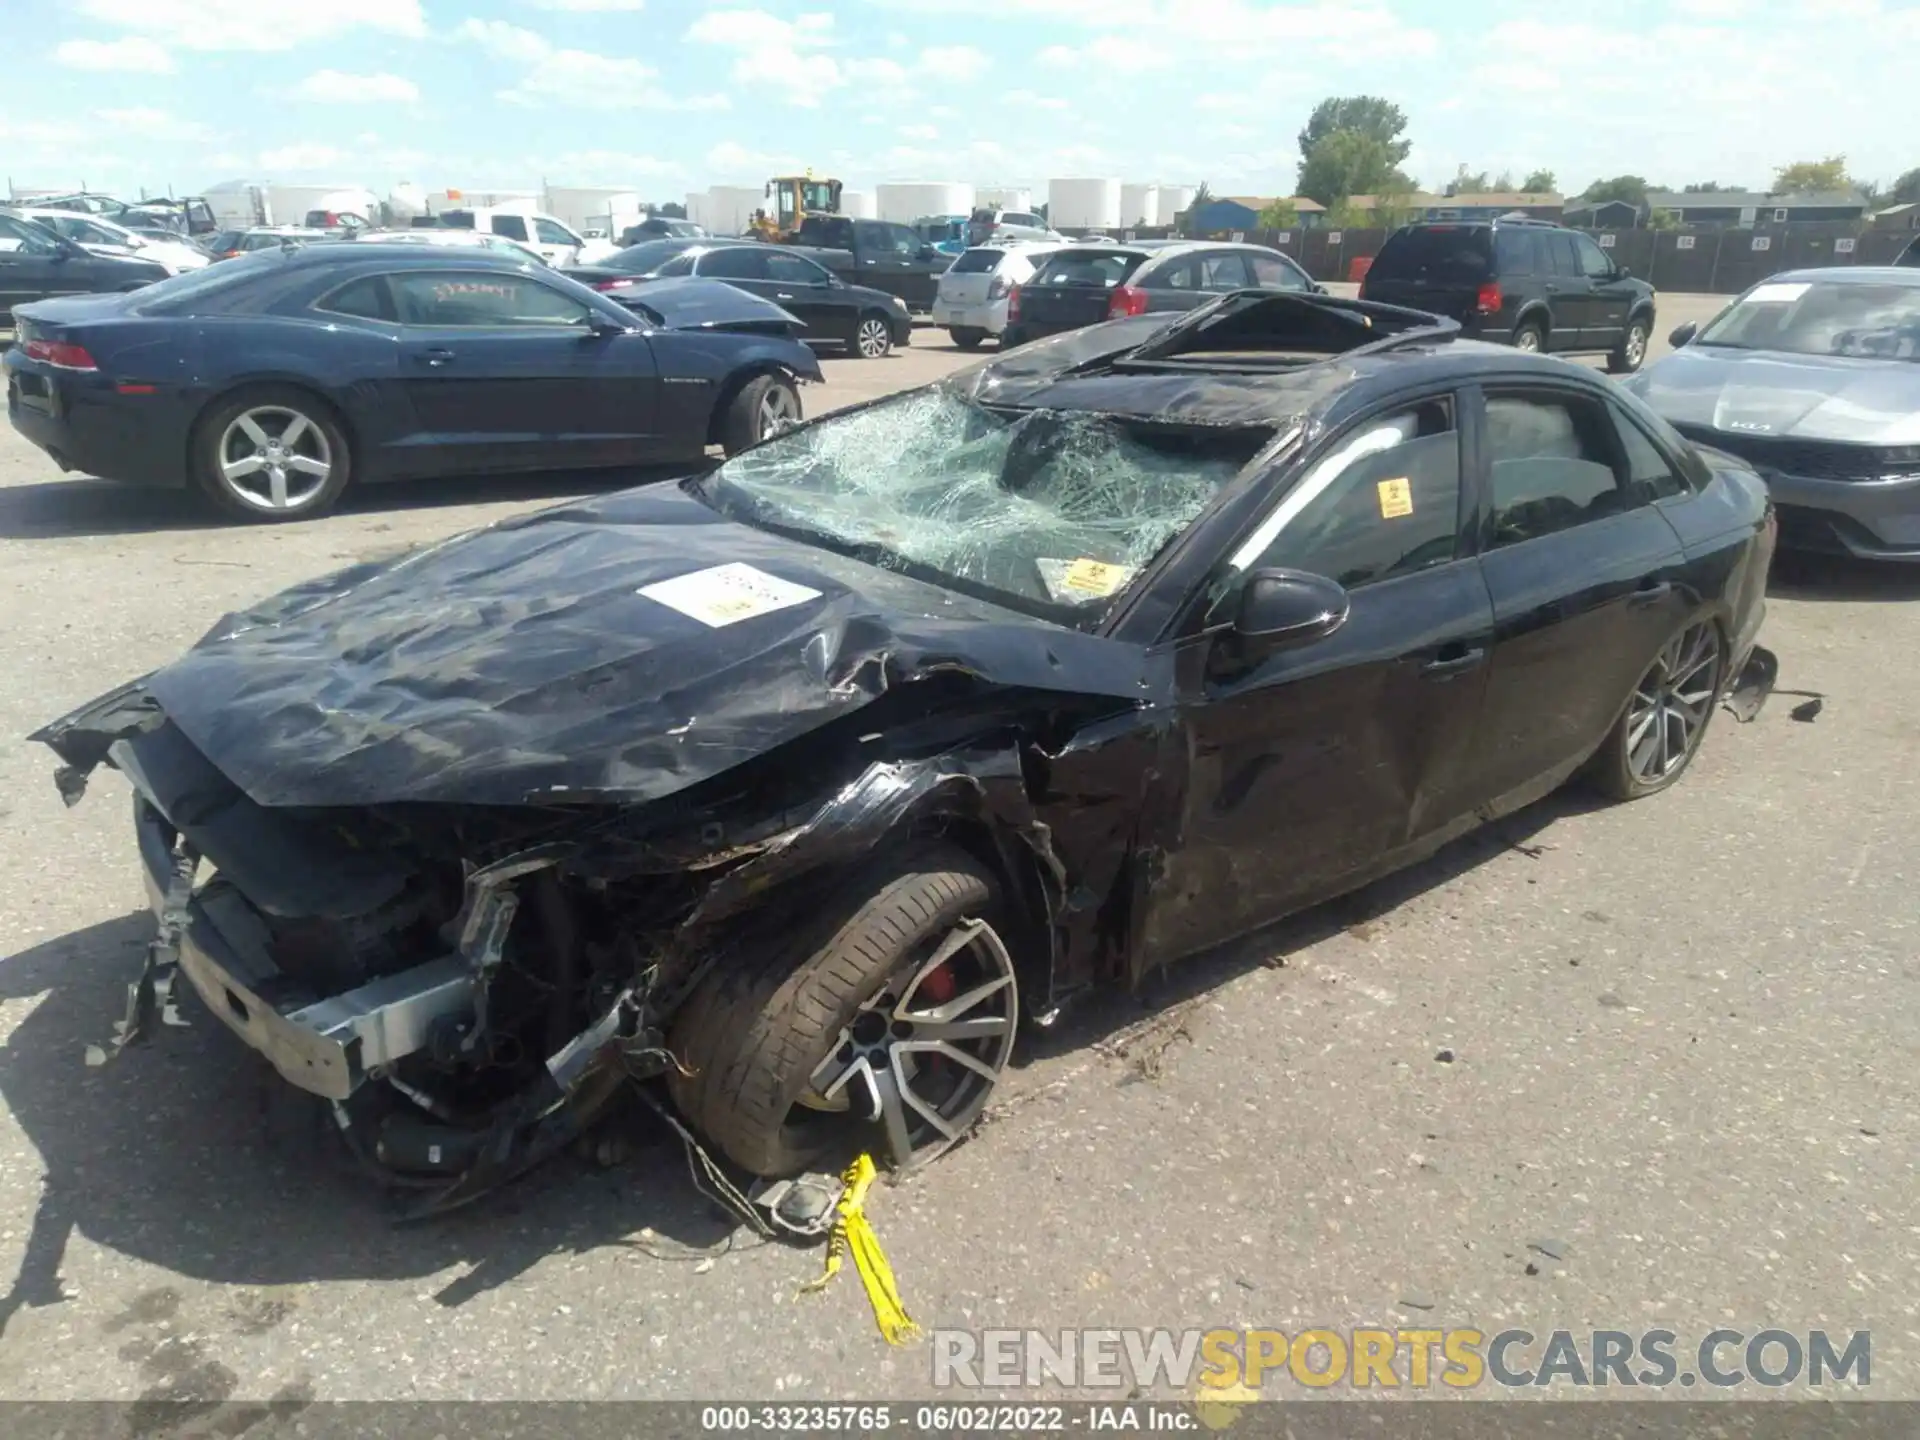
666	95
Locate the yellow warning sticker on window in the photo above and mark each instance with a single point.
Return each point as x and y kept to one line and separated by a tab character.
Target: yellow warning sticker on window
1094	577
1396	498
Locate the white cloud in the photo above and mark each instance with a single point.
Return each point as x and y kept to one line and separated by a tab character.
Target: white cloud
335	87
617	166
953	62
255	24
583	79
507	42
782	55
918	132
730	160
152	124
1117	54
590	6
301	157
129	53
1033	97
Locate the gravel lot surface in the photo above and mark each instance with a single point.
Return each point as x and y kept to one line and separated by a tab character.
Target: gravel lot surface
1683	1038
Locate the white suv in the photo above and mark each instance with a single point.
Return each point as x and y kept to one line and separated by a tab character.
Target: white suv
971	300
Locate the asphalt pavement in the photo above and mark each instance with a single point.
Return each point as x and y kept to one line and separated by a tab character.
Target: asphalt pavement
1677	1037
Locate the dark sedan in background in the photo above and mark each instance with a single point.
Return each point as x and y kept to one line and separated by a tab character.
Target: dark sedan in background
37	263
860	320
1085	283
1813	376
273	381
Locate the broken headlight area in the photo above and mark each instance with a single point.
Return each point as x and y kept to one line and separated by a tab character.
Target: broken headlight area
469	987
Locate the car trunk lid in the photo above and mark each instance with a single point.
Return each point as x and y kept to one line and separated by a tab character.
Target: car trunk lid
1074	287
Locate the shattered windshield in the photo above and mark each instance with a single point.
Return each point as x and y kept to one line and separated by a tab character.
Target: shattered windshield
1852	318
1047	511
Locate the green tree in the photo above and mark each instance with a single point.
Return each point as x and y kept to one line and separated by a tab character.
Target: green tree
1538	182
1666	219
1348	163
1708	187
1368	115
1183	221
1812	177
1630	188
1905	190
1279	215
1480	183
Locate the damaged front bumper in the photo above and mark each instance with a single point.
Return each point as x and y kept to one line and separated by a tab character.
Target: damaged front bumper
327	1047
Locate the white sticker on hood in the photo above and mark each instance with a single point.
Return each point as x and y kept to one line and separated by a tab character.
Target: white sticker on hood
727	593
1778	294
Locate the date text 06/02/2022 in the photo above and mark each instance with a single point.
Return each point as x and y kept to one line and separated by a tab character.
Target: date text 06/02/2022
942	1418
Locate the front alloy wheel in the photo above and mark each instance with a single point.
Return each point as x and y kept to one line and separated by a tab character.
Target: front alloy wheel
874	338
922	1057
779	410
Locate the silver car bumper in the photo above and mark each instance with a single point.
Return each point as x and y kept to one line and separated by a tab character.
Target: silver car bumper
990	316
329	1047
1870	519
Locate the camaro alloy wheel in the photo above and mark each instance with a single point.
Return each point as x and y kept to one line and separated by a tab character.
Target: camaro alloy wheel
779	410
922	1057
274	459
873	339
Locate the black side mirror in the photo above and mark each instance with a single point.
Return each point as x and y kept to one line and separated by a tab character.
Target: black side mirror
928	252
1283	608
603	325
1683	334
1621	272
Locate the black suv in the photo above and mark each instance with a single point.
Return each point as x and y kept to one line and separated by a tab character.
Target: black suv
1527	283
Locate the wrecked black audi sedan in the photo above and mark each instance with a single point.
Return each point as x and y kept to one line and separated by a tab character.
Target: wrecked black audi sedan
800	783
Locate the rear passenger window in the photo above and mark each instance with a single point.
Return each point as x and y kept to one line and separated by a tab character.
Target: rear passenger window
1513	253
366	299
1649	476
1273	273
1384	502
1552	463
1224	272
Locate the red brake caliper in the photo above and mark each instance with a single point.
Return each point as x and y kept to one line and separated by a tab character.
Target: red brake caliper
937	989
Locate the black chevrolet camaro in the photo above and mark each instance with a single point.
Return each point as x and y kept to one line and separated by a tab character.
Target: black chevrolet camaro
274	381
800	783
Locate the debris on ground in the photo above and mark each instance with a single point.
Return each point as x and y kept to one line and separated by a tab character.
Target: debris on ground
853	1233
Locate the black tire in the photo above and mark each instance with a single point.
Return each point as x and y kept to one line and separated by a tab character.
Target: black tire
967	337
753	1034
872	336
213	439
1631	353
1612	770
1530	329
750	415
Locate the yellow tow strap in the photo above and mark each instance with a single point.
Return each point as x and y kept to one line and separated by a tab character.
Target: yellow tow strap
852	1231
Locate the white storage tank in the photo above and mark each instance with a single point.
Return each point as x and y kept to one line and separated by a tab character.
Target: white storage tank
1083	204
589	207
1006	197
905	201
729	208
859	204
1174	199
696	203
1139	205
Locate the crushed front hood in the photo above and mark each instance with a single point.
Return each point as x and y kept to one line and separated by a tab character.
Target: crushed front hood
523	664
1798	397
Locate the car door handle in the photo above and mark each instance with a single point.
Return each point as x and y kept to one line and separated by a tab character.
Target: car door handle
782	295
436	358
1453	660
1651	592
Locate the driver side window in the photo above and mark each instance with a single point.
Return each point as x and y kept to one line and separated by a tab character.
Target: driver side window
1384	502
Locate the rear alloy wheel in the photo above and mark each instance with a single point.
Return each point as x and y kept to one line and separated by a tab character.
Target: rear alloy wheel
272	455
874	337
885	1025
1666	717
765	406
1631	353
1529	338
